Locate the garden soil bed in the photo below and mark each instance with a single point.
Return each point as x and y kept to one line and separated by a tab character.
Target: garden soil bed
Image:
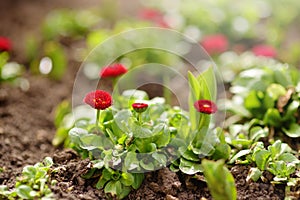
26	131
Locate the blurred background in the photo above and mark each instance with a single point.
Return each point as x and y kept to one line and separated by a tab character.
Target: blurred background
44	36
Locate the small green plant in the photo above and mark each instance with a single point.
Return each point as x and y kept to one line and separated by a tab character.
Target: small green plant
68	23
271	95
206	142
124	143
32	184
11	72
138	134
278	158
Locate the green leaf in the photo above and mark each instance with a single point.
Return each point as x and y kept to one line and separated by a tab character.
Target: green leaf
124	192
219	180
288	158
291	110
57	54
208	84
193	97
282	77
254	174
240	154
48	162
61	110
272	117
252	101
147	165
98	164
222	151
127	179
205	142
275	91
293	131
131	161
163	139
89	174
138	180
122	119
161	158
189	167
261	158
92	141
24	191
114	188
189	155
195	86
30	171
276	149
258	132
75	134
140	131
60	136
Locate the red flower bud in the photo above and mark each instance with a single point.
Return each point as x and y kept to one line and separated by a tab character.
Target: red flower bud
98	99
264	50
215	44
205	106
139	107
113	71
5	44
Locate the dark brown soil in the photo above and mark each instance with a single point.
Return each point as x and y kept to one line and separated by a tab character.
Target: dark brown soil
26	129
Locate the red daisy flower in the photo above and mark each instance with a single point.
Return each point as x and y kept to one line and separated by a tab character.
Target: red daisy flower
264	50
113	71
5	44
139	107
98	99
215	44
205	106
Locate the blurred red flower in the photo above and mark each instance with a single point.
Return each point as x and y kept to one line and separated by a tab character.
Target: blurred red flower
264	50
139	107
113	71
215	44
153	15
5	44
150	14
98	99
205	106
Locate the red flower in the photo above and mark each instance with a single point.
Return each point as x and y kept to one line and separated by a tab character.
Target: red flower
139	107
264	50
113	71
150	14
98	99
154	16
5	44
215	44
205	106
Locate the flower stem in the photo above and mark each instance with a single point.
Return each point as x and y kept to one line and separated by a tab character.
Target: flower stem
97	118
140	117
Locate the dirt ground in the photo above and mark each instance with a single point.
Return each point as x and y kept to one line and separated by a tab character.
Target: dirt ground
26	125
